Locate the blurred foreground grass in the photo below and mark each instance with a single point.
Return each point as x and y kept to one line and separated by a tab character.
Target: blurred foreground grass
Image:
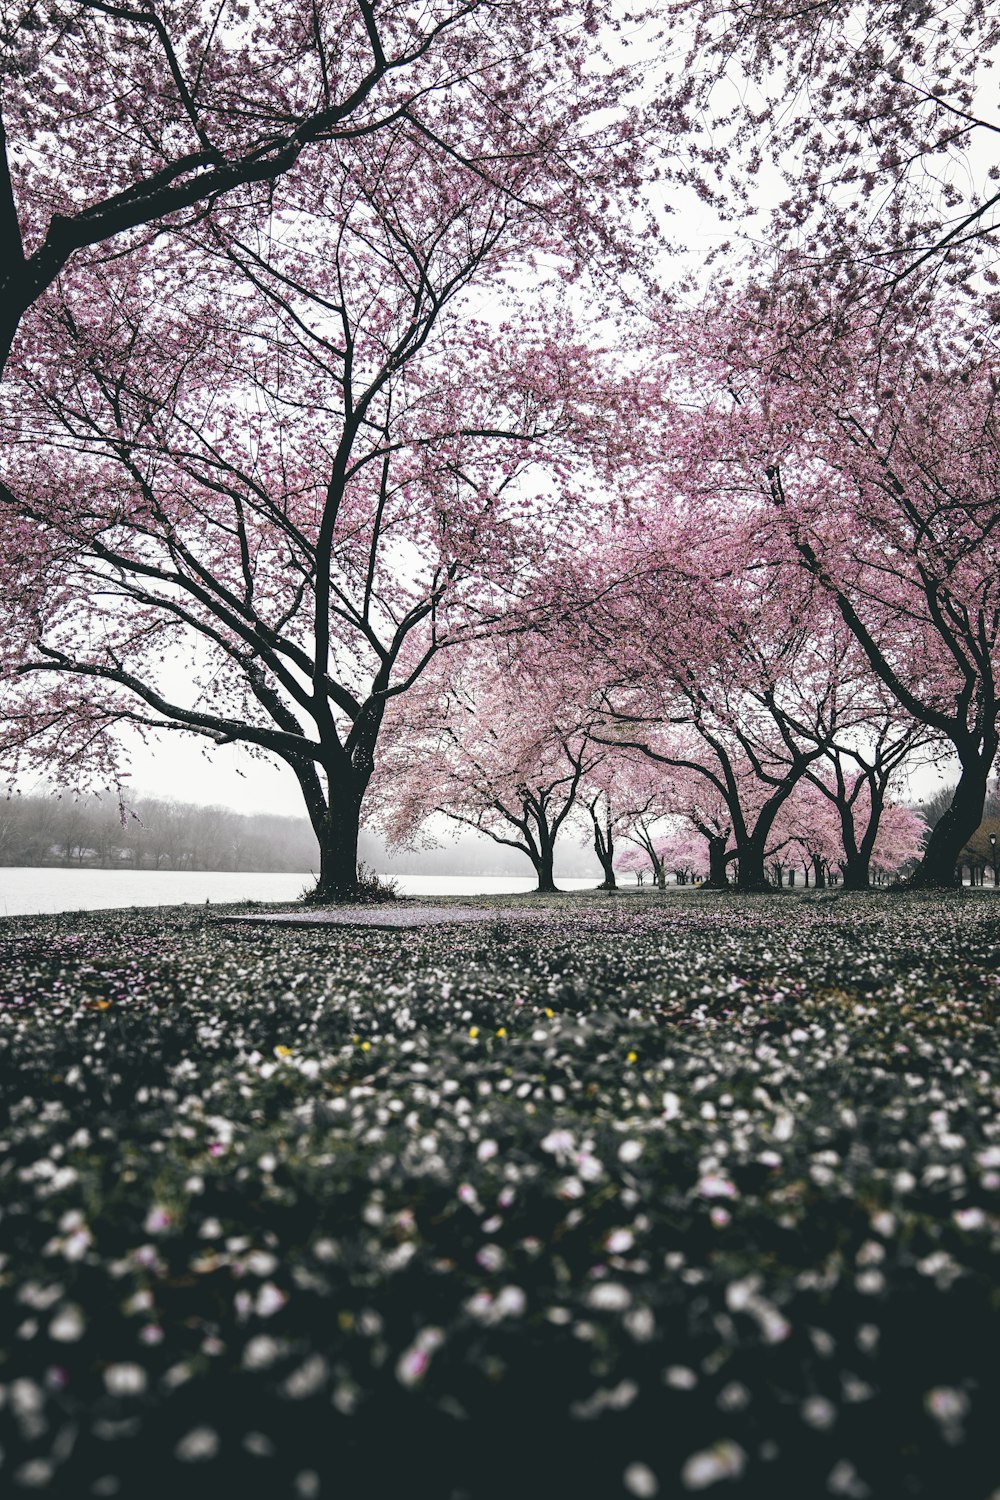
611	1196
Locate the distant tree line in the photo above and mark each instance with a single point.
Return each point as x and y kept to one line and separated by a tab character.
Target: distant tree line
152	834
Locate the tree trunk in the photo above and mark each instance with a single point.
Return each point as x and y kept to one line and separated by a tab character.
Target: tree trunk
752	872
718	877
604	848
857	874
819	875
543	869
338	851
939	864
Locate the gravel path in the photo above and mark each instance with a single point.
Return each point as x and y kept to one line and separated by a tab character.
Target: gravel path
367	916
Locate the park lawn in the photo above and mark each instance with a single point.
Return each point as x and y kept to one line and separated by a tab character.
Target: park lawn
611	1196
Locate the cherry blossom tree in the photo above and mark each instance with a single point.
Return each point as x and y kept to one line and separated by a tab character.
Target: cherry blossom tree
901	837
500	752
682	851
624	796
123	124
857	782
701	655
806	835
876	122
679	851
677	818
809	834
645	854
633	861
867	741
303	486
706	820
876	450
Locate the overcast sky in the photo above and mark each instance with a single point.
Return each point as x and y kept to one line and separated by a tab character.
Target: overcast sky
227	775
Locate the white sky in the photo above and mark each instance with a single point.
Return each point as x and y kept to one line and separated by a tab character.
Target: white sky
187	770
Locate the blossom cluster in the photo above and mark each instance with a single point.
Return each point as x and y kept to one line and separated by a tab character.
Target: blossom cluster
610	1196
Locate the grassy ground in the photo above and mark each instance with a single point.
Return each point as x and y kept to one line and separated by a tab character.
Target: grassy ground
608	1197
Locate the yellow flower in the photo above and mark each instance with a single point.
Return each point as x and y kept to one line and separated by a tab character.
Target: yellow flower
366	1046
549	1013
632	1057
473	1032
282	1051
501	1031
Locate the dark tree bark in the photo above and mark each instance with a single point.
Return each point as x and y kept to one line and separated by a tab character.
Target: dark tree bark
752	853
939	865
338	852
604	845
857	873
718	875
544	870
335	814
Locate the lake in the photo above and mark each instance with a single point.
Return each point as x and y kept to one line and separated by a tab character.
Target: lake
28	892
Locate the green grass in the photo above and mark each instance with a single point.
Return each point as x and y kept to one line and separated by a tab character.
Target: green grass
610	1196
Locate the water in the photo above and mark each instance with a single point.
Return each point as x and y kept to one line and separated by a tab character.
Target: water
27	892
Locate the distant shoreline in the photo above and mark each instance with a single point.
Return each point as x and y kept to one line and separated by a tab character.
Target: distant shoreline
126	867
